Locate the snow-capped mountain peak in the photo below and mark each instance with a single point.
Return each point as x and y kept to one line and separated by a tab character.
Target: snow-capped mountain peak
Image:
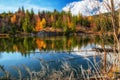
90	7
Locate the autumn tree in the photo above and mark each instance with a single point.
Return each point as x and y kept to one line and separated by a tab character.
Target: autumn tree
13	19
43	22
52	18
40	24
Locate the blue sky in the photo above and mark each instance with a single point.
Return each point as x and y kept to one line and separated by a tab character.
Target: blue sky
13	5
85	7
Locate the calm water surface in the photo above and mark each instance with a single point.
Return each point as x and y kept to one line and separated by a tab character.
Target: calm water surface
28	54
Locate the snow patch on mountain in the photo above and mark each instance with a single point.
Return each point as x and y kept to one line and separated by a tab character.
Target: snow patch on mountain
90	7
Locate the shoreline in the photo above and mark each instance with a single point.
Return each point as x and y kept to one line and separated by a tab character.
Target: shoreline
50	34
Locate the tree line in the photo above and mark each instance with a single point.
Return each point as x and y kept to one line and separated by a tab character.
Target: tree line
29	22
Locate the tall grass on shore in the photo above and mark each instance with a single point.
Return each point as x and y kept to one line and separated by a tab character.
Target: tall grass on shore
94	71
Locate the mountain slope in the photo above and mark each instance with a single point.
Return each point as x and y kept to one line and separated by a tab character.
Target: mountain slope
90	7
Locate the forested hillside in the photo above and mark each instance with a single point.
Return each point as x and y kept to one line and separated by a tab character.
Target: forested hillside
29	22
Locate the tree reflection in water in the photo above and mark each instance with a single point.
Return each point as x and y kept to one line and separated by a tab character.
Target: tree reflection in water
28	45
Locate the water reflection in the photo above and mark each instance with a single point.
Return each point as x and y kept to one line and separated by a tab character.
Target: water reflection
43	57
26	44
48	63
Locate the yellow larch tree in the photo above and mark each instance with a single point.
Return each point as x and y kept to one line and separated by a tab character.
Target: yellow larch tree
40	24
43	22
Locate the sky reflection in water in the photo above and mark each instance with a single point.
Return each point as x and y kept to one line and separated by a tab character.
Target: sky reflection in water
32	52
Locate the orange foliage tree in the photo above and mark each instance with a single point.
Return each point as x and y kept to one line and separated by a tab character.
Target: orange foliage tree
40	24
13	19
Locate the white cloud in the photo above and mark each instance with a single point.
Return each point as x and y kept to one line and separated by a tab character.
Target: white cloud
89	7
26	5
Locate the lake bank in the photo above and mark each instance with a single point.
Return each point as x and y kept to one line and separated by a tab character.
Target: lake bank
52	33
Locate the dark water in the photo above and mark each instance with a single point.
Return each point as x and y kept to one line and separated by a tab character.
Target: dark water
24	55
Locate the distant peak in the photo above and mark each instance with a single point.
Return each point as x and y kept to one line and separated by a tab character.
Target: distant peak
89	7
